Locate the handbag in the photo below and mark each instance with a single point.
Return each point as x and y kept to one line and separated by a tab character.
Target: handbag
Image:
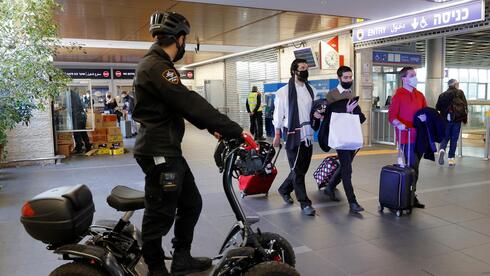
345	131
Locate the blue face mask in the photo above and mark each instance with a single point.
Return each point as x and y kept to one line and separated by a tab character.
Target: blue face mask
413	82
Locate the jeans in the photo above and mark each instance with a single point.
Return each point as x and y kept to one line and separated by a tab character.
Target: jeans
452	135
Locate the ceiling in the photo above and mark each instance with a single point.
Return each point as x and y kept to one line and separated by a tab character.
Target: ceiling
468	50
368	9
127	20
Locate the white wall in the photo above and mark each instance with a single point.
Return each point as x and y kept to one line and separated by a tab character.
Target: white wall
213	71
33	141
286	56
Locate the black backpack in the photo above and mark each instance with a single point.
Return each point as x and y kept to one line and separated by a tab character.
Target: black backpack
457	108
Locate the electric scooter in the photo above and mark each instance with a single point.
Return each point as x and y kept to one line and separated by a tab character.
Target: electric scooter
62	218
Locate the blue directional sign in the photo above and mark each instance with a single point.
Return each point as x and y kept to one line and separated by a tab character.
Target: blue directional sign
382	57
455	15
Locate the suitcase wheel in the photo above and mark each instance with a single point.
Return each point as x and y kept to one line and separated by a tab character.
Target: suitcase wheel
409	211
243	195
399	213
381	209
266	194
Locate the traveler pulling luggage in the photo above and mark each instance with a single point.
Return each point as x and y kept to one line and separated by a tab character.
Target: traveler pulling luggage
328	170
397	184
261	182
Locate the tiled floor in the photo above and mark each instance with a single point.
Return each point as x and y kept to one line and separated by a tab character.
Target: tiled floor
450	237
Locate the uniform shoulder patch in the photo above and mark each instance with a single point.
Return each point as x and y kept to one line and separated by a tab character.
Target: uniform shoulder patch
171	76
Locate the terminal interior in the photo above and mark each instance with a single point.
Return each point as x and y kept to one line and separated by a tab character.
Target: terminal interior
233	46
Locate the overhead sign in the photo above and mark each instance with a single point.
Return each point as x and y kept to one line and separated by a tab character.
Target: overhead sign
124	74
445	17
381	57
186	74
88	73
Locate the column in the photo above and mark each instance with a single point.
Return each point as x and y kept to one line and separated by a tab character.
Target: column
364	87
435	57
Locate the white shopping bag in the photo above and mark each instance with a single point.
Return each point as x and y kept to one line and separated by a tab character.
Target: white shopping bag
345	131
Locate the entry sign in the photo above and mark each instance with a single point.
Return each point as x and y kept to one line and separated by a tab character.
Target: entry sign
381	57
445	17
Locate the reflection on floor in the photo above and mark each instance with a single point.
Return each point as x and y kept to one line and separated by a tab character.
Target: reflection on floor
450	237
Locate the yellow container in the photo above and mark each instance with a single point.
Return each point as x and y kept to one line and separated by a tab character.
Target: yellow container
114	138
103	151
117	151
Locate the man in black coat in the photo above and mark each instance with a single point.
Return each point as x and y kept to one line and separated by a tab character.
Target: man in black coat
340	100
453	107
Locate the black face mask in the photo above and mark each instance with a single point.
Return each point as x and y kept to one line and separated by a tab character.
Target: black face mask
346	85
180	52
302	75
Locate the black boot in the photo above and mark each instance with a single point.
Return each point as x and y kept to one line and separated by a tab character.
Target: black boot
158	271
355	208
184	263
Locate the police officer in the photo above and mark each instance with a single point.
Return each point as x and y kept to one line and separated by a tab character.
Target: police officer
162	104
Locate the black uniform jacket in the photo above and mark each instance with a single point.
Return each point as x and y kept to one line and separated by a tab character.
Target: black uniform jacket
162	104
324	126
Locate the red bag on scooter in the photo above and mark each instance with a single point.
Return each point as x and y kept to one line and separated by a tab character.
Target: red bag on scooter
260	182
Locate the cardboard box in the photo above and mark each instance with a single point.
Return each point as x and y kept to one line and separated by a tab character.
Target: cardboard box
108	124
109	117
99	138
64	136
98	121
117	151
114	138
64	150
103	151
113	131
100	131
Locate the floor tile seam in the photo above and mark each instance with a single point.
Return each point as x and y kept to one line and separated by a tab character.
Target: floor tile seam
478	259
441	218
471	210
481	233
484	215
316	253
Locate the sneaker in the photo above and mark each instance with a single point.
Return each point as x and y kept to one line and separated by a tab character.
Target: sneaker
441	157
308	211
452	162
287	198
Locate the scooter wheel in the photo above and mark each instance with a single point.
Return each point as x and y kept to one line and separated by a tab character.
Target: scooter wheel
280	245
78	269
272	268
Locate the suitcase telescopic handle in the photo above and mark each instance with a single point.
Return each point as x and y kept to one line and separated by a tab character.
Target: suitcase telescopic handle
277	155
400	147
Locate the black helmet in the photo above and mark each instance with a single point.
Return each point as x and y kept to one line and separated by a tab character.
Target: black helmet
169	23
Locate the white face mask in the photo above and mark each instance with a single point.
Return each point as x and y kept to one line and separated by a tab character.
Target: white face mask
413	82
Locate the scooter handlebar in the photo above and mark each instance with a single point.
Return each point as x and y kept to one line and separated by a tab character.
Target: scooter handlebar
249	140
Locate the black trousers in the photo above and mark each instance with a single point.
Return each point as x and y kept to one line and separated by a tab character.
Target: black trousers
81	136
414	161
345	157
257	124
170	195
299	161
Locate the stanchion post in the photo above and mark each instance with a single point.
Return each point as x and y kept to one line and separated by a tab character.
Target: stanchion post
487	136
